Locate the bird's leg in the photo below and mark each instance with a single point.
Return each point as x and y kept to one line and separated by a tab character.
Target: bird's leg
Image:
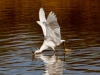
64	45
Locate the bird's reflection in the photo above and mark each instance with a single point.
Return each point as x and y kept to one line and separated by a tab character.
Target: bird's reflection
53	64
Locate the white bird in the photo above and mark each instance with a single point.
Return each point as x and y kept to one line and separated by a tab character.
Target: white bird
51	31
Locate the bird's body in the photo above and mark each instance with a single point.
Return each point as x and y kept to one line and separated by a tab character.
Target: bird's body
51	31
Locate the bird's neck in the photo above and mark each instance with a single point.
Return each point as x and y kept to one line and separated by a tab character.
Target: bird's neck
43	47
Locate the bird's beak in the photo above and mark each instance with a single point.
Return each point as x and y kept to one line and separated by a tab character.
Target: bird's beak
38	22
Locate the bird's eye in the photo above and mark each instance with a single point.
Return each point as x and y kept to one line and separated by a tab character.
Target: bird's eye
43	22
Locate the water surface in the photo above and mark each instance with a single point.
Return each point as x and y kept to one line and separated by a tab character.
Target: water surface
79	27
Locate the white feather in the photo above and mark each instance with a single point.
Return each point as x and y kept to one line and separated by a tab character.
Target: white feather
42	26
42	15
51	30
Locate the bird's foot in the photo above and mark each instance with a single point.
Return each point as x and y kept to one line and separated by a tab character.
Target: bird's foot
67	50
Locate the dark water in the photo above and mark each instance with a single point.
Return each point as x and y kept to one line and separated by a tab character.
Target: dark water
79	22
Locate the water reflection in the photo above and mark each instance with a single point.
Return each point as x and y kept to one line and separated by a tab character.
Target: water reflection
53	64
80	27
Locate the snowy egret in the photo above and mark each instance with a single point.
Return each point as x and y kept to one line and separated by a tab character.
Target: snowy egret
51	31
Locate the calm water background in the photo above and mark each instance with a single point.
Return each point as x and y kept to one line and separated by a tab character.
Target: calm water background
80	27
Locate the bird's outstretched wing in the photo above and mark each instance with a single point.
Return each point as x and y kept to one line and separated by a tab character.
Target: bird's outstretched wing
42	15
42	19
53	29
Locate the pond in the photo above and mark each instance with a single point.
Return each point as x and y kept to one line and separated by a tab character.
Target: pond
20	34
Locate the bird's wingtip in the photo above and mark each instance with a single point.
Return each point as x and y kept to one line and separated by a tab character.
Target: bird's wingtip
41	8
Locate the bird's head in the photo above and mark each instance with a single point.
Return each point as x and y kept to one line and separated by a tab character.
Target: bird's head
40	23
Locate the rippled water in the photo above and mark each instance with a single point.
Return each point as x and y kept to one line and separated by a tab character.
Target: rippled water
83	42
